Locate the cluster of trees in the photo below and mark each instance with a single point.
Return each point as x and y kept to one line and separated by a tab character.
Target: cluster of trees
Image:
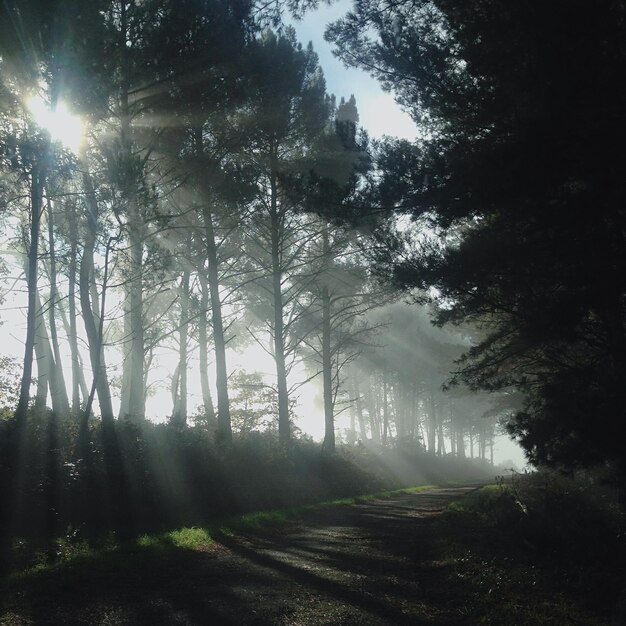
396	392
215	195
186	218
519	177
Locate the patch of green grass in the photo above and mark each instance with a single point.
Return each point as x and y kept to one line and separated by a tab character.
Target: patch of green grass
71	552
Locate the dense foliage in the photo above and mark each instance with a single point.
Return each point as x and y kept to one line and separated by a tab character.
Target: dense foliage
519	178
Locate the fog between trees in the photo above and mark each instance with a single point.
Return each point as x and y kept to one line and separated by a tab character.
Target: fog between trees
221	198
187	220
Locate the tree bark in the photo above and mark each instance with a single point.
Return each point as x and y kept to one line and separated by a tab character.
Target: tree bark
94	338
58	389
71	328
179	414
277	225
203	346
359	410
327	359
36	205
224	427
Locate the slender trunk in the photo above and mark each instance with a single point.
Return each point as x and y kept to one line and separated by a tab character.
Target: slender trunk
94	338
42	356
441	441
58	389
135	379
36	202
224	433
359	410
71	329
224	426
371	409
400	409
276	225
385	408
50	368
179	415
460	442
432	424
203	346
136	394
327	363
72	334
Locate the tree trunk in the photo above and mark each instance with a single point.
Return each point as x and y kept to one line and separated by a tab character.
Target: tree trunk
224	426
385	408
371	409
58	389
136	393
94	338
359	410
327	359
441	441
72	334
276	225
134	408
432	424
42	356
203	346
179	414
50	368
36	203
460	442
71	328
224	433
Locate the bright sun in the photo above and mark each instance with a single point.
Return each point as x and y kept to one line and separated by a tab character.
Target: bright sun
62	125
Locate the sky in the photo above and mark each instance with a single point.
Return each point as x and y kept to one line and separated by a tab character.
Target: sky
378	112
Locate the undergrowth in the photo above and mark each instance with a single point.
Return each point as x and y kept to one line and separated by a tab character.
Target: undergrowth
69	492
545	548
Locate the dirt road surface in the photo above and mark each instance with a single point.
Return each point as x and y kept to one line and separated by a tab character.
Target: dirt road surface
371	564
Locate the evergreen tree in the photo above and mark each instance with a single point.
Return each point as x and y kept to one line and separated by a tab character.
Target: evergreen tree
519	174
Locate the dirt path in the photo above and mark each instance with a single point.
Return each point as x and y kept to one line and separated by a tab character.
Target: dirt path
371	564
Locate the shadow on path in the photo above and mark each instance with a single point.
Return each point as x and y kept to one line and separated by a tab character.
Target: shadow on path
373	564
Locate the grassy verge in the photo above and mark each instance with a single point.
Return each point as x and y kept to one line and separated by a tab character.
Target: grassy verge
536	552
109	552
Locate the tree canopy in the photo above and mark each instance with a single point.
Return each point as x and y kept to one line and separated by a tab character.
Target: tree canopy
520	177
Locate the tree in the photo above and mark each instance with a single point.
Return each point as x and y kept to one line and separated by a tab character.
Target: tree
518	174
288	109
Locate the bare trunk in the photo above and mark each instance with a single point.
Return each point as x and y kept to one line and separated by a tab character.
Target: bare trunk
432	424
78	373
179	414
58	390
36	202
327	362
71	328
460	442
49	368
385	409
284	426
371	409
359	410
94	338
42	356
224	432
203	346
136	393
224	426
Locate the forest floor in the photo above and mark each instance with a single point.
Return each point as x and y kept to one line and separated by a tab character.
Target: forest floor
406	559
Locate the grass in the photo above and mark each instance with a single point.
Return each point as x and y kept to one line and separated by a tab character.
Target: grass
74	553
